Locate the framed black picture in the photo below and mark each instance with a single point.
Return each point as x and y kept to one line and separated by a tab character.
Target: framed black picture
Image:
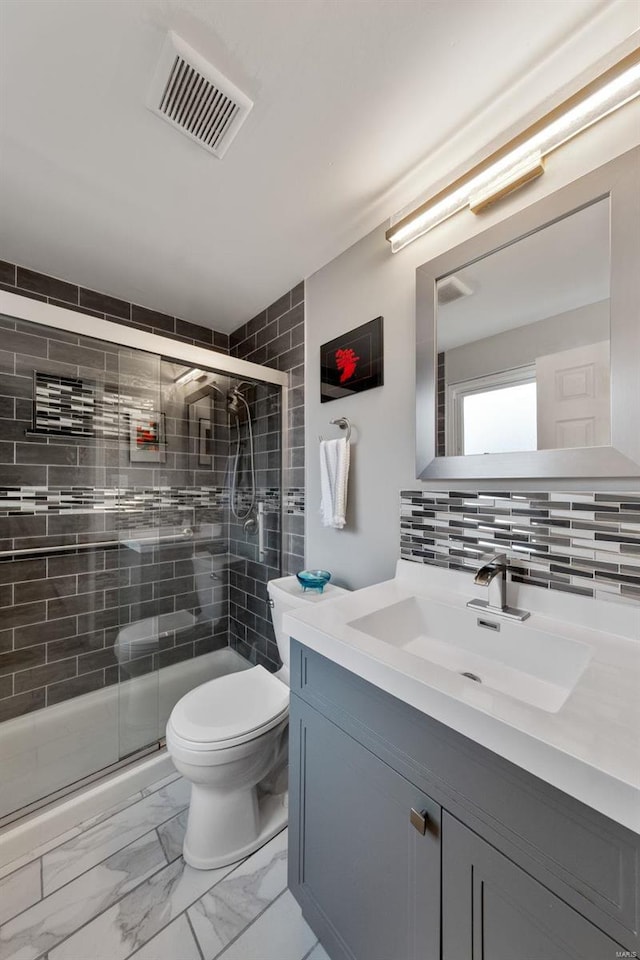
353	362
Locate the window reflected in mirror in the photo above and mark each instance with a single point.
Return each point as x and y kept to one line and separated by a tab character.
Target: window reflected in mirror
523	359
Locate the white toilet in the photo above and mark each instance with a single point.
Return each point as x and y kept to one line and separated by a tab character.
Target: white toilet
229	735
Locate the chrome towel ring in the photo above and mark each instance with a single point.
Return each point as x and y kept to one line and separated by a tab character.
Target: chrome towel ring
344	423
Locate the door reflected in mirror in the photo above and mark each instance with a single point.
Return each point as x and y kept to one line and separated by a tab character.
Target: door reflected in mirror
522	335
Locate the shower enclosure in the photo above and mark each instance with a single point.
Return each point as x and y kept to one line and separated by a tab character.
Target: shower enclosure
140	519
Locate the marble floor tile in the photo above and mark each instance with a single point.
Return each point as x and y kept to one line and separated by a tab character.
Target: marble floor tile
48	922
139	916
172	834
175	942
280	933
225	910
91	846
19	891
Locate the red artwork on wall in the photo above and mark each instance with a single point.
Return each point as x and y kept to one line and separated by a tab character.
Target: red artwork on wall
346	362
353	362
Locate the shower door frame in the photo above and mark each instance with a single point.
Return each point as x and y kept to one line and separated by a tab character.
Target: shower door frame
18	307
47	315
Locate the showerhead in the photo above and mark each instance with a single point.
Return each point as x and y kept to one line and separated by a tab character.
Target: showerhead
234	399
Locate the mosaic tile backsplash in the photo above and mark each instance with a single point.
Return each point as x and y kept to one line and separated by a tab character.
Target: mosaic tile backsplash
582	543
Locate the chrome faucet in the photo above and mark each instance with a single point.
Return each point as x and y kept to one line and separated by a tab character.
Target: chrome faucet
493	574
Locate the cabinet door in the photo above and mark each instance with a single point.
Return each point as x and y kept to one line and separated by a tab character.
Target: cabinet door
367	879
493	910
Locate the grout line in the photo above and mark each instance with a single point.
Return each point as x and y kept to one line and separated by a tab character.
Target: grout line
307	955
164	852
193	932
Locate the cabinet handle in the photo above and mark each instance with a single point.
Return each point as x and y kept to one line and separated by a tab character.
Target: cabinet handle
419	820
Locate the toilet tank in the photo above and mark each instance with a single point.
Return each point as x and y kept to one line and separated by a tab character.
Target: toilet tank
285	594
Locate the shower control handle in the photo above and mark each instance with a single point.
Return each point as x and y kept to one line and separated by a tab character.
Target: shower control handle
250	526
261	516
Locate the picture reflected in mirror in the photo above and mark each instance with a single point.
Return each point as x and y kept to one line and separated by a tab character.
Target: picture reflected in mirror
522	334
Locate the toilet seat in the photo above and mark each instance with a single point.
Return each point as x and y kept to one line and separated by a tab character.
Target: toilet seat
229	710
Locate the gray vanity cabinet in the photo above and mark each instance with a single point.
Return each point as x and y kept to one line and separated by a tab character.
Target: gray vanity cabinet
407	841
494	910
369	874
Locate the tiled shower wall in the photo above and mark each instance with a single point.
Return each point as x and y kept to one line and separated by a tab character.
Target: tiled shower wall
61	293
275	338
582	543
61	613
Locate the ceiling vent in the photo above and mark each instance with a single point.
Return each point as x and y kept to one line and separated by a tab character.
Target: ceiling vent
189	93
452	288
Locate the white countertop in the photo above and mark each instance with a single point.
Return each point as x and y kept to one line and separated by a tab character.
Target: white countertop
590	748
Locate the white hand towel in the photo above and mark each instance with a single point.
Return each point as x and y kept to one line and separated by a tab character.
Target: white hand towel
334	475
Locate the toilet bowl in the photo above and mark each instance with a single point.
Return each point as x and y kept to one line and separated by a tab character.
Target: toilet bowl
224	737
228	737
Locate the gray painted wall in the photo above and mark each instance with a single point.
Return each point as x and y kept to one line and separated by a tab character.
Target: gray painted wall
362	283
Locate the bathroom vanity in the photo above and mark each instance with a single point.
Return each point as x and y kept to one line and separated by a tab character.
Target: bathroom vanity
411	839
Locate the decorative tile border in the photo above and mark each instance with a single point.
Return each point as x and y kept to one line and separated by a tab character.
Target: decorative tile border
294	501
584	543
56	500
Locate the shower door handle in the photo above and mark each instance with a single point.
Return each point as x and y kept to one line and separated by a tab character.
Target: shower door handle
261	515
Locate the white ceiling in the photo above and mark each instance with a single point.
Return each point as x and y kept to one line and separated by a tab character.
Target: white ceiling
353	100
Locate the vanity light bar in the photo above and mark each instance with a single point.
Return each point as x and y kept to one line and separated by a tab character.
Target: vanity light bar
522	159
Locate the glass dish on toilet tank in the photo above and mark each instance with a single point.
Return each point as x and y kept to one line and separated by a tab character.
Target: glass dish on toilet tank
313	579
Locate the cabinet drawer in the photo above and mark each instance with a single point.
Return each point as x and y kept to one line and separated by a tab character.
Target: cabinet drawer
587	859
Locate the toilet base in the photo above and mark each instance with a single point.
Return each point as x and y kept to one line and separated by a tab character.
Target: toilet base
272	814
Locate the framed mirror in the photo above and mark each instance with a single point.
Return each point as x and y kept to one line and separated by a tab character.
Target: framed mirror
528	340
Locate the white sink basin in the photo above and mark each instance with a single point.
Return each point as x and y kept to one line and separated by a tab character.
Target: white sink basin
530	665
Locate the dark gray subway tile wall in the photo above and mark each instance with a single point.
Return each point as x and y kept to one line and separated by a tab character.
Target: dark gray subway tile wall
80	475
61	293
275	338
582	543
61	614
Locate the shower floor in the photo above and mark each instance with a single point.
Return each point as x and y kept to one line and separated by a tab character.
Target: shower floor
49	750
119	888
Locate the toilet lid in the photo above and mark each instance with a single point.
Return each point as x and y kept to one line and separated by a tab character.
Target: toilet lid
230	707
